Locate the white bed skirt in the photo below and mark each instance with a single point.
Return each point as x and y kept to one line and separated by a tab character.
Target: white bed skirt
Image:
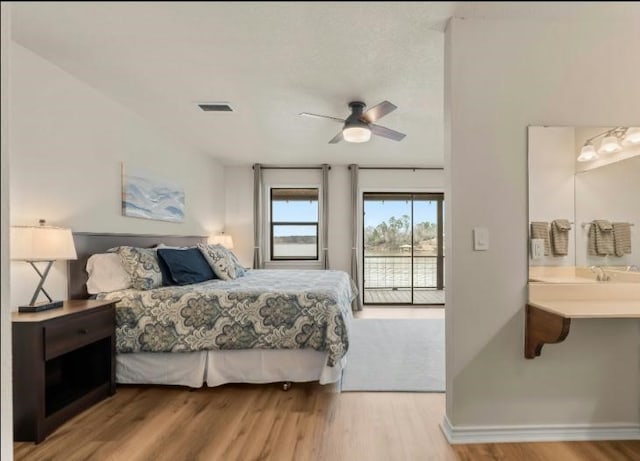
193	369
181	369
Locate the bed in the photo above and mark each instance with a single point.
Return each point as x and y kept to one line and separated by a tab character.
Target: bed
266	326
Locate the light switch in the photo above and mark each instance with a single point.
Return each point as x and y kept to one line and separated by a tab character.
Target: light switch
537	248
480	239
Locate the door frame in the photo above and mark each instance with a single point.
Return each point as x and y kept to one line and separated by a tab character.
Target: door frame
439	196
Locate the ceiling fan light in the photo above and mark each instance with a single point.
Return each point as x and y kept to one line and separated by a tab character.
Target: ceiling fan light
631	136
356	134
610	145
587	153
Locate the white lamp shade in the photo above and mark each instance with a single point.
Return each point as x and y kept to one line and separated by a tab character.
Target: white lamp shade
356	134
587	153
632	136
610	145
222	239
40	243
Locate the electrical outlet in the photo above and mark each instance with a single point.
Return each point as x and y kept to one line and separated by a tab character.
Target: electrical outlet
537	248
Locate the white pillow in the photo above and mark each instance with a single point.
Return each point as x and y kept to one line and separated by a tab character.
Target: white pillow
106	274
171	247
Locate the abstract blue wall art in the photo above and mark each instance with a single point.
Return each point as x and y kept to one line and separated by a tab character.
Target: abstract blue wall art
147	197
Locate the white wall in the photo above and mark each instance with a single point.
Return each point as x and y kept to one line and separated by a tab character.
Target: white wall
503	76
239	201
6	423
551	188
68	142
610	192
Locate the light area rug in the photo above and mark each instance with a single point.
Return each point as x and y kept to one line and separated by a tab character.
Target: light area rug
395	355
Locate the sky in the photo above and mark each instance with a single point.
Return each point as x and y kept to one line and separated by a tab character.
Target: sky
378	211
375	213
295	211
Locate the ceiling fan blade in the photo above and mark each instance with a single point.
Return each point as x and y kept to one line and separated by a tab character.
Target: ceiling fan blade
307	114
378	111
386	132
337	138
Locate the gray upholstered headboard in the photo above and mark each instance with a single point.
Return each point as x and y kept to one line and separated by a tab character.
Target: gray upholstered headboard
88	244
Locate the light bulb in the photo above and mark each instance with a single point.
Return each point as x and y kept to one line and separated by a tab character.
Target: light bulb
632	136
356	134
587	153
610	145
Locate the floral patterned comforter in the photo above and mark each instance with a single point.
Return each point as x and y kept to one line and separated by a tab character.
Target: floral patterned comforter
265	309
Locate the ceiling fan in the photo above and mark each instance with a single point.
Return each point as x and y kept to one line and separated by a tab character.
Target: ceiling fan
359	126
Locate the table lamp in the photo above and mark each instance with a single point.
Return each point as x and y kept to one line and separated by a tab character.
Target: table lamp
222	239
41	244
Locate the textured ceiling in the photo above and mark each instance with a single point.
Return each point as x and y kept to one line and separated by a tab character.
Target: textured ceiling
270	61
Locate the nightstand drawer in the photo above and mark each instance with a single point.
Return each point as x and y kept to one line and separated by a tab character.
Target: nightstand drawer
62	337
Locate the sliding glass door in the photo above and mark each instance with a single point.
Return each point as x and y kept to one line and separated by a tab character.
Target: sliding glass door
403	248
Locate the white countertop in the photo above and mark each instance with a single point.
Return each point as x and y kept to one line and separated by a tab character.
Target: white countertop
594	300
589	309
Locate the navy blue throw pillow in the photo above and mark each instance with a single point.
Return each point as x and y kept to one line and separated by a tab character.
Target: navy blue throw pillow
166	275
186	266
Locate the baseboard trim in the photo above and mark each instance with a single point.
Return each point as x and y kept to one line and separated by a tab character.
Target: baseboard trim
538	433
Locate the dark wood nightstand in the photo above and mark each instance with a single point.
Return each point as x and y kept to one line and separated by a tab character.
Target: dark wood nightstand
63	362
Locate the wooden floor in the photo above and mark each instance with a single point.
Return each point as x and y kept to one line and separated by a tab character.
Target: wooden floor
262	422
309	422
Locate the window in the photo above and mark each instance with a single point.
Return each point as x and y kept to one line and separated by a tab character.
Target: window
294	224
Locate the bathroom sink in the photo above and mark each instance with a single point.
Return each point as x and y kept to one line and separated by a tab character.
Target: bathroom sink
573	274
617	274
561	274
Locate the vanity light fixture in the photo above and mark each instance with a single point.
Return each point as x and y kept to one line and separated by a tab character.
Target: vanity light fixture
613	141
631	136
587	153
610	144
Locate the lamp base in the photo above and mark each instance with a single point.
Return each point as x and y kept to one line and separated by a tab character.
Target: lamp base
38	307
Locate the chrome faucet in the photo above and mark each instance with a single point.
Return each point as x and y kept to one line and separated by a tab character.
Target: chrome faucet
601	275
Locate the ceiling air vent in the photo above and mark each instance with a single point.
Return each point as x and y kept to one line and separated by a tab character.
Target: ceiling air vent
215	107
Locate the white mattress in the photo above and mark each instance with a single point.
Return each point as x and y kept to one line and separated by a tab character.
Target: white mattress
215	368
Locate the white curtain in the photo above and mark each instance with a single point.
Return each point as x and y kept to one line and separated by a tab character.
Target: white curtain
325	215
257	216
356	305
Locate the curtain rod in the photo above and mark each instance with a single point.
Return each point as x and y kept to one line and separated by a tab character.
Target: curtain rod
274	167
397	168
307	167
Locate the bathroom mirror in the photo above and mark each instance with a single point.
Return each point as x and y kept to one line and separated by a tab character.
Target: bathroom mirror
603	185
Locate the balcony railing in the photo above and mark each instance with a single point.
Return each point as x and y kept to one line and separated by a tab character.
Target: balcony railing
395	271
